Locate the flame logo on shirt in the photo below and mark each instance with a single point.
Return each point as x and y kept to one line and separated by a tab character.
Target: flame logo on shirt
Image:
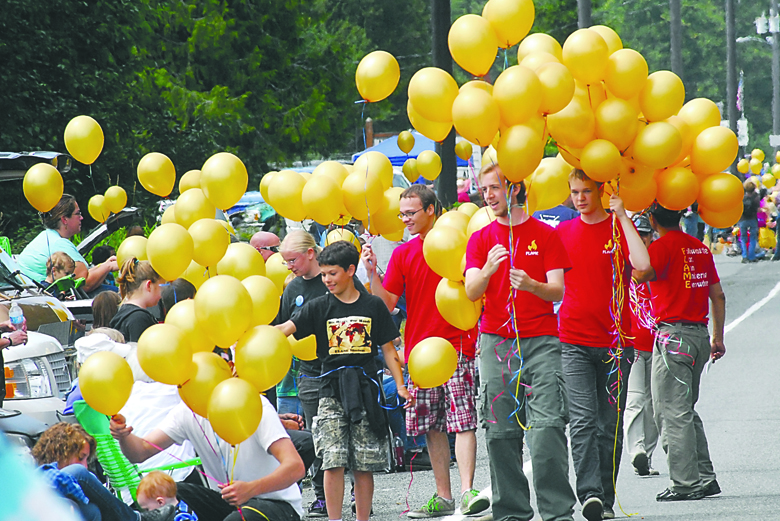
608	246
532	246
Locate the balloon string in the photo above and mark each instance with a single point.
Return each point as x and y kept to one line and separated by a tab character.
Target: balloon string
92	178
216	453
183	461
379	395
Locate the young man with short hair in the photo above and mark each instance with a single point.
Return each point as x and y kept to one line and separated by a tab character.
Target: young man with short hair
349	326
682	280
520	272
596	355
451	407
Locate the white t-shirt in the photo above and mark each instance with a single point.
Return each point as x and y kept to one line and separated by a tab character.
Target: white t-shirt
253	460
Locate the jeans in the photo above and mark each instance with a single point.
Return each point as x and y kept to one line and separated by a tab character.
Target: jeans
210	506
641	430
748	245
110	508
591	378
288	404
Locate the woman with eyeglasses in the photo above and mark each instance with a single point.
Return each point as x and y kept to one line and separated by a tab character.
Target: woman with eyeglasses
62	222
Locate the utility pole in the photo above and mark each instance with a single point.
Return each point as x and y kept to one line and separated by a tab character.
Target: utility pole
584	19
675	21
731	68
440	28
774	29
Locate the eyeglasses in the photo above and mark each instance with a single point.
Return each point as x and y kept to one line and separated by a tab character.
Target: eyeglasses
292	262
78	213
401	215
274	249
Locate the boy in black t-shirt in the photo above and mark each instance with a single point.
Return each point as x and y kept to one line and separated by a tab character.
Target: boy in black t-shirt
349	327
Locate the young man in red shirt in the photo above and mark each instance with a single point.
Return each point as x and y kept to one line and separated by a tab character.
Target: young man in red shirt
683	279
596	356
451	407
640	429
520	272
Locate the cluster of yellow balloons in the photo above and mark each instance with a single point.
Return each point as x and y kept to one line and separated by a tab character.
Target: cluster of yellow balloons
444	250
755	165
102	206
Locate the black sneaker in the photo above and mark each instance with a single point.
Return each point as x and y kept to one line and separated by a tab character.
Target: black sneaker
317	509
593	509
608	513
166	513
641	464
671	495
711	489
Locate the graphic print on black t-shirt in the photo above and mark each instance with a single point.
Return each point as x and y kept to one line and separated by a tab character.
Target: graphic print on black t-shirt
349	336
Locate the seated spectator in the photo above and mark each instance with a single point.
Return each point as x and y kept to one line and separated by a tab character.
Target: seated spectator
58	266
100	255
104	307
157	490
173	292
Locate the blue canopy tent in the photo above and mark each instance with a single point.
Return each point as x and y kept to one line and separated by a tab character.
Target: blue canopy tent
389	147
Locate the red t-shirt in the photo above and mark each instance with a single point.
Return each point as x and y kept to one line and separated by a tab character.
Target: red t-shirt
537	250
585	316
408	271
684	270
643	337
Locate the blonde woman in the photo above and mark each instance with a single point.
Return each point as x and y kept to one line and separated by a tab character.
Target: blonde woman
139	286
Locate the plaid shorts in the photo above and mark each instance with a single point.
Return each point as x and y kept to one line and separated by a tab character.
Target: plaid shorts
452	405
341	443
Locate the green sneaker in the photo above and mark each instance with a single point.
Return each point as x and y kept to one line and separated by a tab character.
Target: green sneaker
436	507
472	503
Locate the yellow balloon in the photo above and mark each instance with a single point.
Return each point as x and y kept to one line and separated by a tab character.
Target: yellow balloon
536	59
571	156
519	152
235	410
743	166
405	142
264	182
518	93
657	144
549	184
775	170
97	208
473	44
475	116
469	209
432	362
557	87
169	250
115	199
464	150
768	180
429	164
586	54
322	200
443	248
43	186
611	38
193	206
490	157
223	178
687	137
377	76
284	194
276	271
377	163
458	220
265	299
430	129
342	234
724	218
182	315
263	357
601	160
677	188
241	260
386	219
757	154
410	170
305	348
224	307
480	219
755	166
210	370
169	215
616	121
634	175
362	193
84	139
432	92
662	96
477	84
197	274
699	114
511	19
574	126
210	241
106	380
157	173
165	355
191	179
134	246
455	307
539	42
713	150
333	169
626	73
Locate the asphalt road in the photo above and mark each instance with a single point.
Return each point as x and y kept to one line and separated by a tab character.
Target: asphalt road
739	405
